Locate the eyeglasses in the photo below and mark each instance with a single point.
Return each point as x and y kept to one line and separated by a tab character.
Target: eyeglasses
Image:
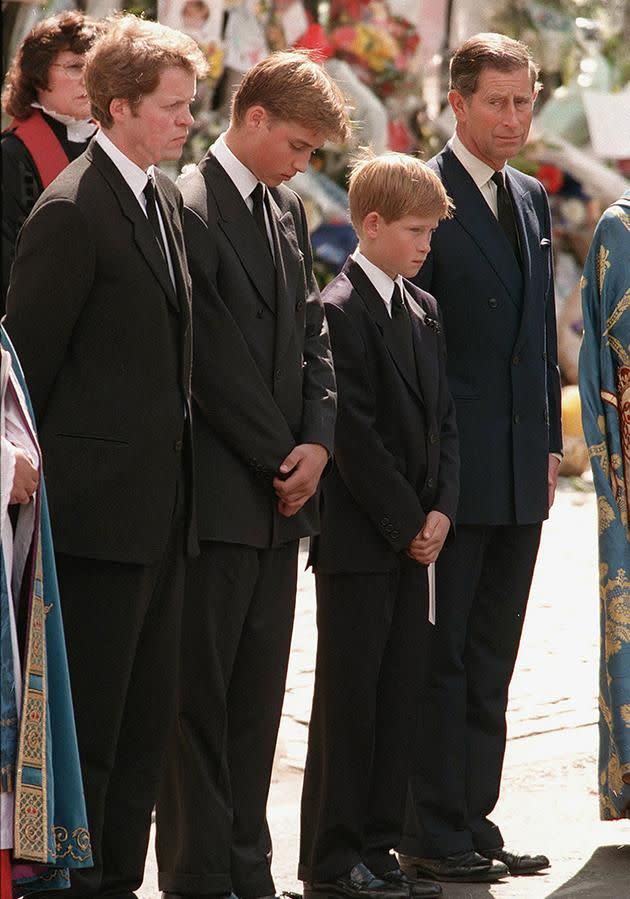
73	70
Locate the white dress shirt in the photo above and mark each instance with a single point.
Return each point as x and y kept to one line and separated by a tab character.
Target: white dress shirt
243	179
478	171
137	179
382	283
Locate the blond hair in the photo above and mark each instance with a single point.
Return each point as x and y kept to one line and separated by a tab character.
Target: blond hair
489	50
128	61
292	87
395	185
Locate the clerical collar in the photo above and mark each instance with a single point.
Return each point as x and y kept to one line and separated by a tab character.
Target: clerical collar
79	130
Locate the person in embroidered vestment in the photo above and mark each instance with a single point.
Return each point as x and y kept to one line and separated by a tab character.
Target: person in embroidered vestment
43	824
605	393
46	99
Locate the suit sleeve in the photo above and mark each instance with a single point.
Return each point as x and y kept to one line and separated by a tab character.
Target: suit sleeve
554	402
366	466
51	279
227	386
448	476
319	390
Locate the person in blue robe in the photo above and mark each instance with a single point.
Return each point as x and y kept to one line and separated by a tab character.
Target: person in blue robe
40	783
604	375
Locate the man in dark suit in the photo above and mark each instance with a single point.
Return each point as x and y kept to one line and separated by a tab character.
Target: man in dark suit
99	307
490	270
387	508
264	410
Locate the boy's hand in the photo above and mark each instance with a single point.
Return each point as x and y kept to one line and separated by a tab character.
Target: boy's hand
427	544
303	468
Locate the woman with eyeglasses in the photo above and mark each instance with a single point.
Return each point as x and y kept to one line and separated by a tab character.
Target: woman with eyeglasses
46	98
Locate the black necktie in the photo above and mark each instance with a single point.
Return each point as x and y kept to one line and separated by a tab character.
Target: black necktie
505	213
258	211
152	214
402	332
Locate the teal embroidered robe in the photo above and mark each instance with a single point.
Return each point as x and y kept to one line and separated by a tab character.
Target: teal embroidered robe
40	756
605	394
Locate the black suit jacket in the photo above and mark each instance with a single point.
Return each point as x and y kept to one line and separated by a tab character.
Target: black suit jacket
263	379
396	453
502	352
105	342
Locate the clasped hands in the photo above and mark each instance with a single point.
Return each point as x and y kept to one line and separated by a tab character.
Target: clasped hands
428	542
301	471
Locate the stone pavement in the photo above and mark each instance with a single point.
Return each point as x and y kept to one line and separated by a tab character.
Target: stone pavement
549	796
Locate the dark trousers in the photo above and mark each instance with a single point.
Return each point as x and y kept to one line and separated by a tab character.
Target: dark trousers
483	581
212	834
372	630
121	624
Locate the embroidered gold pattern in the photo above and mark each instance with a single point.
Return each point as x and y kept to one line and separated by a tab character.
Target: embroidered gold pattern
617	601
605	514
625	714
602	265
76	845
31	806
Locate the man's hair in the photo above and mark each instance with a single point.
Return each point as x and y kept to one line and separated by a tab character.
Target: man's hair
29	71
489	51
292	87
395	185
128	60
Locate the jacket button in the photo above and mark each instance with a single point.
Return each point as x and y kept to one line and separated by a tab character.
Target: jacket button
492	303
516	359
517	418
259	312
299	305
177	446
277	374
430	482
432	437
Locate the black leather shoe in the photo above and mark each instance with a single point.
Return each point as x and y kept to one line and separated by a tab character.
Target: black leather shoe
417	889
464	867
356	884
518	865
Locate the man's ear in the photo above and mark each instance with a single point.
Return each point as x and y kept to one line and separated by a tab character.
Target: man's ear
256	116
457	103
118	108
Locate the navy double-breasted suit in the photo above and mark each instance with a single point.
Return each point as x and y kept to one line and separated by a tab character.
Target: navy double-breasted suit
499	321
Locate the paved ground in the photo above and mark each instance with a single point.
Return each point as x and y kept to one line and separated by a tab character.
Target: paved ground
549	797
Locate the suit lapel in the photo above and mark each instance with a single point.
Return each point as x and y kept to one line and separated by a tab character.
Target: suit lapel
143	232
288	258
529	236
377	310
475	216
238	225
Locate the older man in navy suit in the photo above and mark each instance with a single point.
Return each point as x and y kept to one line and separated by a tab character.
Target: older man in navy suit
490	269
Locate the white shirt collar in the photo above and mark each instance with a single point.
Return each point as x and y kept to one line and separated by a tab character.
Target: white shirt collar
381	282
244	179
478	170
135	177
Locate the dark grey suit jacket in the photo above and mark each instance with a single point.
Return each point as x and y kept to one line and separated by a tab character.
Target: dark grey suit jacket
502	351
263	378
105	343
396	454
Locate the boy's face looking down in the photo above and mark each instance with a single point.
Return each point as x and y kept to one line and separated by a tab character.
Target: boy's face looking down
399	247
276	150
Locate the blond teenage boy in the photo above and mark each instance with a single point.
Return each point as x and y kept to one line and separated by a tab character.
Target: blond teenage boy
387	508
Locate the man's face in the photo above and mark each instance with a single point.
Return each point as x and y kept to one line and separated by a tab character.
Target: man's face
400	247
279	149
65	93
493	123
157	127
